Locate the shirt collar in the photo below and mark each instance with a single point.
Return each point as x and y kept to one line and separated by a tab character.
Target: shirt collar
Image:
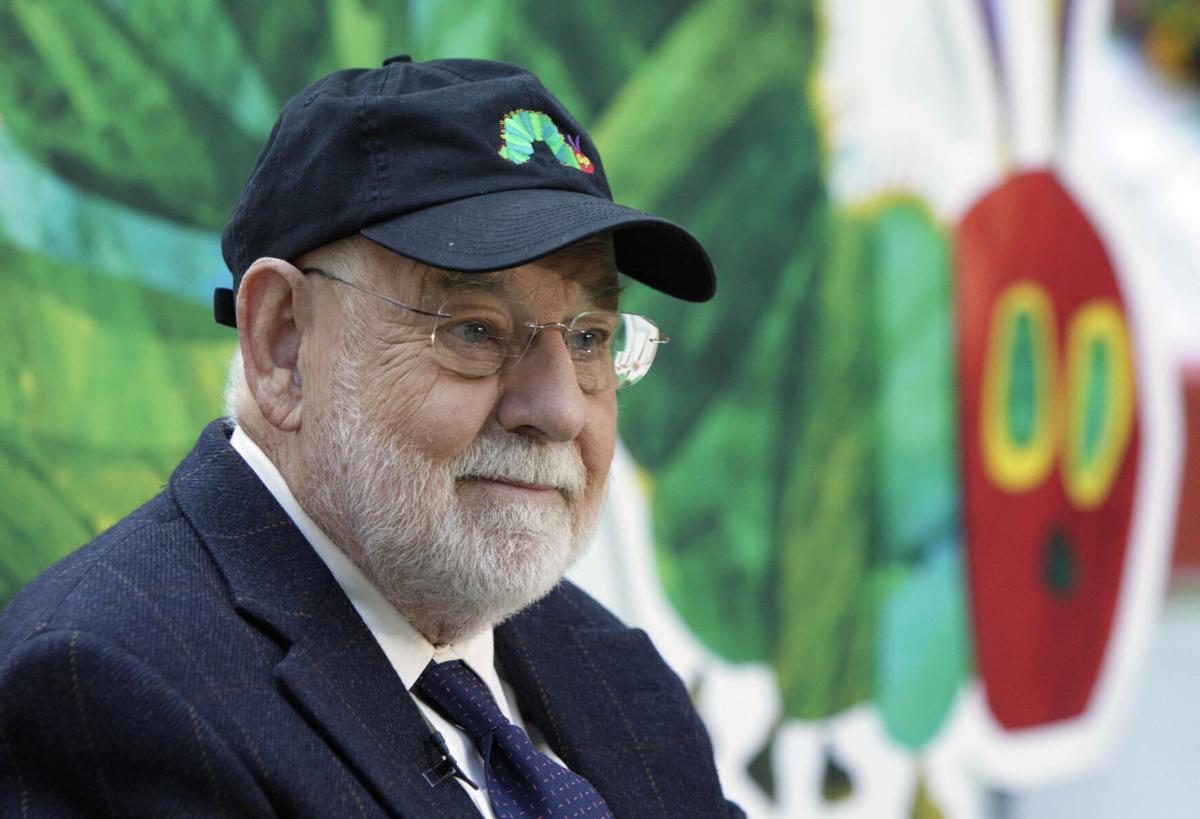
406	648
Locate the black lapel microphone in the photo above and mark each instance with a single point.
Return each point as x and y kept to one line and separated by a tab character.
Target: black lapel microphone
447	767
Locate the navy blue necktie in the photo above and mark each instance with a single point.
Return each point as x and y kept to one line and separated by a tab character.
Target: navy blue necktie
521	780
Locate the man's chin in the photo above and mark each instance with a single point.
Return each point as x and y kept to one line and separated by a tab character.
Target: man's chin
517	553
451	619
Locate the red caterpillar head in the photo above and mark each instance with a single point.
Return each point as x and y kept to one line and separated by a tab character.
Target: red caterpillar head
585	164
1051	443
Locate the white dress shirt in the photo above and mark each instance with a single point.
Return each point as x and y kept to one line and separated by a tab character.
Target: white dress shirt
406	648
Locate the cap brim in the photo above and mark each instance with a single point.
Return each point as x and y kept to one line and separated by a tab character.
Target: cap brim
496	231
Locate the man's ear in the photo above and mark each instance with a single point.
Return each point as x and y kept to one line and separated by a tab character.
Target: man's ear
272	316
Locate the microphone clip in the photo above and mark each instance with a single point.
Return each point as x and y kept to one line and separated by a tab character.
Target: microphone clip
447	767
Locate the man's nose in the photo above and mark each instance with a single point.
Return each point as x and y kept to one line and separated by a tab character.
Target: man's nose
541	395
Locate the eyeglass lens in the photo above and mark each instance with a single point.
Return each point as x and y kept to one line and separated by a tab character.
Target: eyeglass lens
609	349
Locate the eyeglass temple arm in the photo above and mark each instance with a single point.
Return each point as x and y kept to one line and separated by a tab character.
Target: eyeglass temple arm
388	299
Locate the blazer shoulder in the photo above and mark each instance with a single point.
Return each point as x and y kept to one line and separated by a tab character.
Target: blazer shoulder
141	560
72	744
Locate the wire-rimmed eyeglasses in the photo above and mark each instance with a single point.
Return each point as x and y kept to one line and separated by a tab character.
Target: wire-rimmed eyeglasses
610	349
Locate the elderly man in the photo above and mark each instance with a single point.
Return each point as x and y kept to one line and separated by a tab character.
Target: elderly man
350	601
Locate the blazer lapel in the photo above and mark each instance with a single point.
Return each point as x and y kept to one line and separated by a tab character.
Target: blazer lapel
339	678
333	671
611	709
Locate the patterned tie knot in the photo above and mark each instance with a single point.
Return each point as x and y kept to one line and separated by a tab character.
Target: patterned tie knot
462	697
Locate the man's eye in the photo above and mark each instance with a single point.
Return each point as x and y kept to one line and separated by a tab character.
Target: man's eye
472	332
588	341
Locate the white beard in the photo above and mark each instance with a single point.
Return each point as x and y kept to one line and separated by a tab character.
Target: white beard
453	568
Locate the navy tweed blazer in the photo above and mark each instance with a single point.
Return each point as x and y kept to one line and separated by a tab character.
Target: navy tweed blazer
198	659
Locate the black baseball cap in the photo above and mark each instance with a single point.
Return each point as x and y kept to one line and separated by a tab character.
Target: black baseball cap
465	165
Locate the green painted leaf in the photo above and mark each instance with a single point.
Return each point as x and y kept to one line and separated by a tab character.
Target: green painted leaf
764	217
695	87
110	382
712	512
83	96
716	501
826	595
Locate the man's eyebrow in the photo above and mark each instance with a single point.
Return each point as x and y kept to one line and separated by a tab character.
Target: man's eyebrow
493	279
607	296
444	282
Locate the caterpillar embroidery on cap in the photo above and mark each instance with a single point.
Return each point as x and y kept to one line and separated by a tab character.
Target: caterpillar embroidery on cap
520	129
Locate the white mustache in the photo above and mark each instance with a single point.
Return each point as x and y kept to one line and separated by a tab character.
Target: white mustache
502	456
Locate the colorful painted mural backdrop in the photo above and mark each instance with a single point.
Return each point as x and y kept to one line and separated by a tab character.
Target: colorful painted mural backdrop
899	458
